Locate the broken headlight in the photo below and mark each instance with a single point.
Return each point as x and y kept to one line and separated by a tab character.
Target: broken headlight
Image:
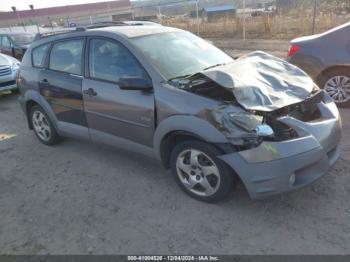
264	130
252	127
246	121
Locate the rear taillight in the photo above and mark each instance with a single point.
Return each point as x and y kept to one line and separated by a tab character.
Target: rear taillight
293	50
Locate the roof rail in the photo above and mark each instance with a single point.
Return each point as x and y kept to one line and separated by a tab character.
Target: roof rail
104	24
141	22
57	32
119	23
91	26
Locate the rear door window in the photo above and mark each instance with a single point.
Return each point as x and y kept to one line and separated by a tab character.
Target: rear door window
6	43
66	56
39	54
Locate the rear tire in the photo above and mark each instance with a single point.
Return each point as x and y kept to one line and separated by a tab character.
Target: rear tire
336	83
43	127
199	173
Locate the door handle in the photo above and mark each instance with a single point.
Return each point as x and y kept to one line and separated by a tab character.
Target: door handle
44	82
90	92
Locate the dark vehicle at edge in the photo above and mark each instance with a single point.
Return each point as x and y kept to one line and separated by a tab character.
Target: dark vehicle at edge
15	44
326	58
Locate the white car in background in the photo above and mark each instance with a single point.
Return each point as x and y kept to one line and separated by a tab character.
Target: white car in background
8	70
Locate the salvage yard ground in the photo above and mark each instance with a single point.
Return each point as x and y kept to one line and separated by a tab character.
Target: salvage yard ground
79	198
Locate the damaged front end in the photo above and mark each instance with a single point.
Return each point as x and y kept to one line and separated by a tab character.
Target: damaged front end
247	129
285	131
281	150
255	91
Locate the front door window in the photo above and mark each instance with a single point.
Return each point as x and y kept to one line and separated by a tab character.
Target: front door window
109	61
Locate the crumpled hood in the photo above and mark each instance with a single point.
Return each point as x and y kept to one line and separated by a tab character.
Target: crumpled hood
262	82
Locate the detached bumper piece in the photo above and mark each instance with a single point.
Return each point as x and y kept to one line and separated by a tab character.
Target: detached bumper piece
281	166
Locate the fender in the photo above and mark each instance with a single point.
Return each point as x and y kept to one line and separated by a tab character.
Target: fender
40	100
310	64
188	123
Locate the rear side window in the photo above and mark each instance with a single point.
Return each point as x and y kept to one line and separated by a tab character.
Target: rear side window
6	42
66	56
39	54
109	60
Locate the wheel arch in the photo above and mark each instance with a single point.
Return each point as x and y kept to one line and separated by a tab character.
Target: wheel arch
169	142
319	77
179	128
28	105
33	98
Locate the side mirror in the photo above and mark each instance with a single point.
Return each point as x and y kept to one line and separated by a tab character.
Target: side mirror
135	83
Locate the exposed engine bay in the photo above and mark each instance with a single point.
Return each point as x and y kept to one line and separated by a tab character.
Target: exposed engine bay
249	128
256	91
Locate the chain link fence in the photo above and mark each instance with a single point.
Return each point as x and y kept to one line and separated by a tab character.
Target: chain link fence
242	19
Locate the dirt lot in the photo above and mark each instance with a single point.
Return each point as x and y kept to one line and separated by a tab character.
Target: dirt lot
79	198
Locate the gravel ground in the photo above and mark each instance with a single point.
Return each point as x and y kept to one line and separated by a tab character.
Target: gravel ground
80	198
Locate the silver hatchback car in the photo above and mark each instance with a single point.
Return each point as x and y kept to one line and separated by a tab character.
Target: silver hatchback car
8	70
171	95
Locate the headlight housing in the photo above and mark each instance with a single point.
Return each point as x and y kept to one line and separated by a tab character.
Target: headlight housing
253	127
252	123
15	66
246	121
264	130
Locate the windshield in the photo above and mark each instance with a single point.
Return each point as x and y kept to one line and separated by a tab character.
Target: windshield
180	54
22	38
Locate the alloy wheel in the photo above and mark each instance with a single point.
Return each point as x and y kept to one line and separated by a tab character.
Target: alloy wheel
41	126
338	87
198	172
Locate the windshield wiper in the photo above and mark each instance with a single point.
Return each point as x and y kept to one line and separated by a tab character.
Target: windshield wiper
179	77
209	67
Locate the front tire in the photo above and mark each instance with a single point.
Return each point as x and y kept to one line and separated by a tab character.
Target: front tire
199	173
336	83
43	127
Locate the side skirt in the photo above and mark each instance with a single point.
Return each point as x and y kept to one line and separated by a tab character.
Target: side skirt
101	137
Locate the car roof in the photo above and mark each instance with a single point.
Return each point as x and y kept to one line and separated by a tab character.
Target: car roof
125	31
141	22
16	33
137	30
338	28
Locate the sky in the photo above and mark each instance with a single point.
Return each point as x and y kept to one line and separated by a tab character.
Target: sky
5	5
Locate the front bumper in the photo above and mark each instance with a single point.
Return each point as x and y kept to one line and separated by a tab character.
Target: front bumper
8	82
267	169
8	87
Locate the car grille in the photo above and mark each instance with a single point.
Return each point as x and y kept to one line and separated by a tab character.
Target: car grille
5	70
8	83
